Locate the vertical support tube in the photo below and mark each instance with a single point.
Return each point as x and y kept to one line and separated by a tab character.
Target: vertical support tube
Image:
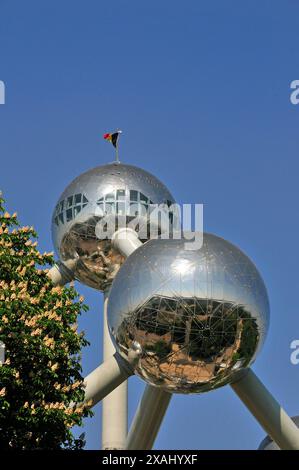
148	418
154	402
126	241
115	405
267	411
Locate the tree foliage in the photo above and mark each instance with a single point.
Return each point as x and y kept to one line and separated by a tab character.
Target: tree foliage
41	376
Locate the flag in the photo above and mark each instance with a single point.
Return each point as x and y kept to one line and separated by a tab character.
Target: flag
113	138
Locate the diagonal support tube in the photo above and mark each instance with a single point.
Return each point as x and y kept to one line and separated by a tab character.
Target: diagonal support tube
62	273
109	375
267	411
106	378
148	418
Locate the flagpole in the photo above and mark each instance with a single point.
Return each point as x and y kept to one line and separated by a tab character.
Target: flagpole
116	152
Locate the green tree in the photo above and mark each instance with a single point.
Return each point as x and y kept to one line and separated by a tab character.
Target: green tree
41	376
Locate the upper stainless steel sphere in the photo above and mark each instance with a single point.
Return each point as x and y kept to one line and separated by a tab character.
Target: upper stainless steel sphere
114	191
199	316
269	444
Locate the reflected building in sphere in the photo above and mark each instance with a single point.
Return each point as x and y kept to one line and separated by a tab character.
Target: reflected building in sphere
200	316
115	193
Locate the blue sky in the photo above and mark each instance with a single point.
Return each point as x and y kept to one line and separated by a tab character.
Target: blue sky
201	90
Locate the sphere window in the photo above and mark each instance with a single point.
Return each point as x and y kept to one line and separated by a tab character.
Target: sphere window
69	215
78	198
133	195
121	208
143	198
134	209
77	209
110	208
120	194
110	197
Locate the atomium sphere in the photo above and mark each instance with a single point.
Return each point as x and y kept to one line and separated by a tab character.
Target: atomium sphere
269	444
116	195
199	316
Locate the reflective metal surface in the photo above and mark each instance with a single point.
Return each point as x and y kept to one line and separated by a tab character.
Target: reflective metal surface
200	316
269	444
113	191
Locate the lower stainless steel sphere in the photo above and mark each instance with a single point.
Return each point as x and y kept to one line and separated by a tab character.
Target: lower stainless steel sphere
199	316
108	195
